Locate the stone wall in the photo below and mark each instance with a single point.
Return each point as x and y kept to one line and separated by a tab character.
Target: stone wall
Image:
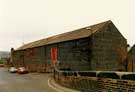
95	84
109	50
131	59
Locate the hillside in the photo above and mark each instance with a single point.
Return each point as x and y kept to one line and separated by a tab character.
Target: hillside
4	53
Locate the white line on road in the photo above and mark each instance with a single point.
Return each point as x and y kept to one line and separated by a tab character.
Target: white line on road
49	84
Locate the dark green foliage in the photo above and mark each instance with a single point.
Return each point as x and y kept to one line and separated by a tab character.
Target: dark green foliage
108	75
129	77
1	62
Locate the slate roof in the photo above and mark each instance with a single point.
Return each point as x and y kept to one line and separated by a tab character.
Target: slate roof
72	35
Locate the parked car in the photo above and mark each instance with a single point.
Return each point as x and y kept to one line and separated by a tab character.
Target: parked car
12	69
22	70
2	65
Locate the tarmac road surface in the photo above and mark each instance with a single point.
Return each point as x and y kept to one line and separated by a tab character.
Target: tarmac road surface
32	82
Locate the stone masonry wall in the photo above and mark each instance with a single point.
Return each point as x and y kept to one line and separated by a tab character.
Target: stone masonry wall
94	84
109	50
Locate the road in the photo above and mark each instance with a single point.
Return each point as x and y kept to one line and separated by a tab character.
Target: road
32	82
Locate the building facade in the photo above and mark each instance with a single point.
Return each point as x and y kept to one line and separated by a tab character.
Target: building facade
96	47
131	59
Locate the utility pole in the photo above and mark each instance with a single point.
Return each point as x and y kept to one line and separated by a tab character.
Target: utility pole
22	39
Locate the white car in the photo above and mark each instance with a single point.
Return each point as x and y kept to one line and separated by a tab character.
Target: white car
12	69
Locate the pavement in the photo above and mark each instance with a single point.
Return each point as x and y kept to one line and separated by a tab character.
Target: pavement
31	82
58	88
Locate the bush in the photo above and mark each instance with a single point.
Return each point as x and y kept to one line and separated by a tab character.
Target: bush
1	62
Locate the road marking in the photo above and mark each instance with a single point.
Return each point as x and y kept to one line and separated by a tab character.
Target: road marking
53	87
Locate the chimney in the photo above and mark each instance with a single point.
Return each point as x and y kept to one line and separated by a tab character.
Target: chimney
128	47
12	53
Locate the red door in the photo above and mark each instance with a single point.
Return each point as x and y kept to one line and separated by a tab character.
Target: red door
54	54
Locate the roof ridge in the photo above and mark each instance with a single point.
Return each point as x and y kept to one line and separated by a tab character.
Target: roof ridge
79	33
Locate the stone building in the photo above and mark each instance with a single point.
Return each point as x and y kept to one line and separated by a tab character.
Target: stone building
96	47
131	60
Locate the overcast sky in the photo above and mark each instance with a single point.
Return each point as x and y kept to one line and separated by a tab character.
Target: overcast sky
30	20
